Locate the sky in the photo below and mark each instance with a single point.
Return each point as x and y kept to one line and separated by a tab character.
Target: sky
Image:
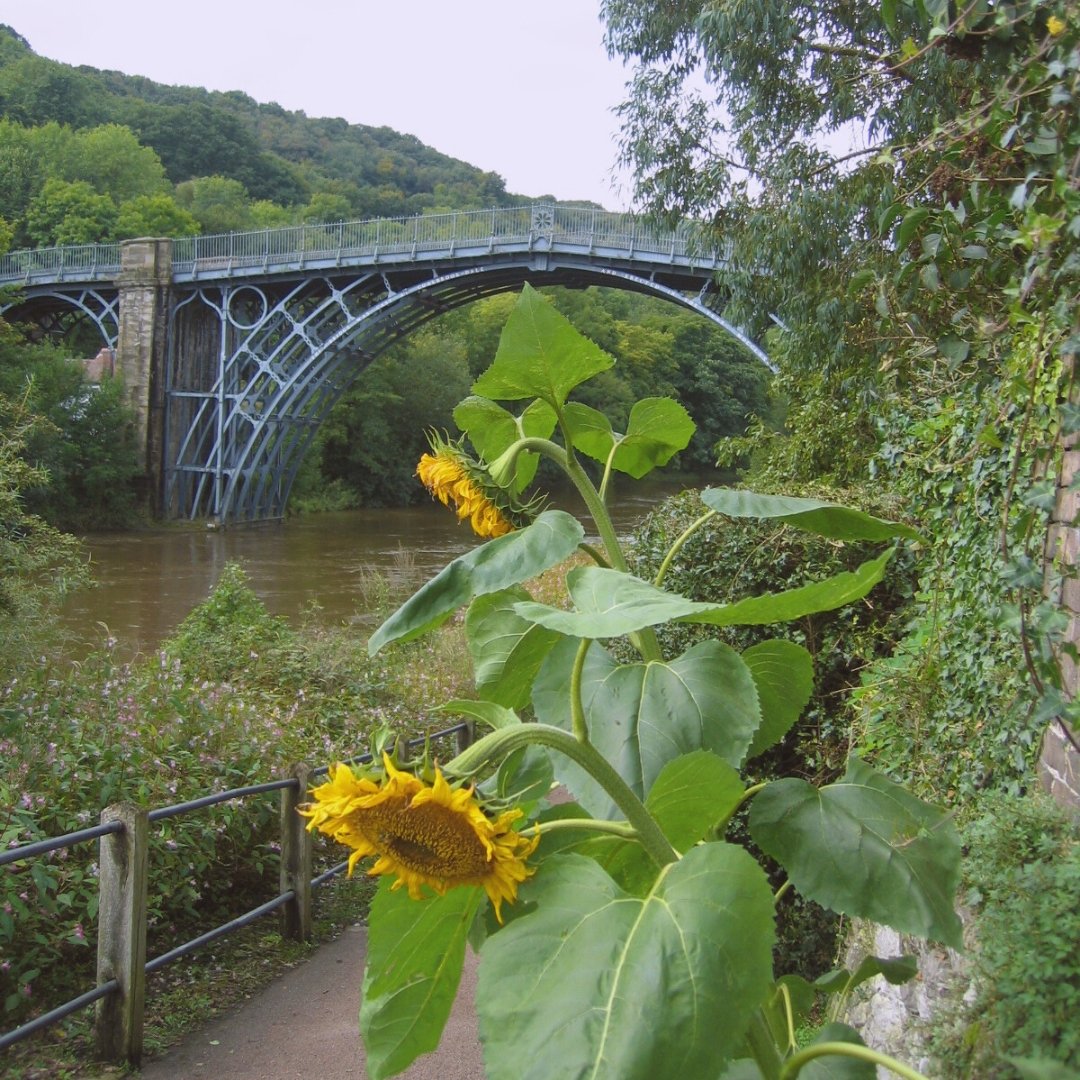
523	88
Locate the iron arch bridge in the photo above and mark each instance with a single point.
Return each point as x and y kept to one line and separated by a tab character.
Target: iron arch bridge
253	337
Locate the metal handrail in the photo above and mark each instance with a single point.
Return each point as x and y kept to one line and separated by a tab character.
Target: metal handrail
40	847
426	234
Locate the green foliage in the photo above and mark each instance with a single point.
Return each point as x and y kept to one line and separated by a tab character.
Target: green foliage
1021	873
656	900
69	213
163	729
39	566
223	635
84	444
725	561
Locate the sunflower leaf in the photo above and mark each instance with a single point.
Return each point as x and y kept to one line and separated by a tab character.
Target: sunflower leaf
812	515
642	716
416	950
493	429
507	651
610	603
838	1066
540	355
571	980
658	429
784	676
866	847
496	565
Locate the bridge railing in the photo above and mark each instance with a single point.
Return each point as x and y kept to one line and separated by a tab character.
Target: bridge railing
82	261
419	236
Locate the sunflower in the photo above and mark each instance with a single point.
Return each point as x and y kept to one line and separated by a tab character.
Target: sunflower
428	835
452	476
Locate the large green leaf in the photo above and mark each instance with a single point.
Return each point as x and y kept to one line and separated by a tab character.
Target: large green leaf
609	603
641	716
493	429
895	969
416	949
864	846
658	429
691	795
838	1066
541	355
506	649
610	985
784	675
493	566
813	515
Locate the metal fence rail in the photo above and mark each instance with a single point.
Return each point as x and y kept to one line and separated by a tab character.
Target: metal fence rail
126	1043
419	236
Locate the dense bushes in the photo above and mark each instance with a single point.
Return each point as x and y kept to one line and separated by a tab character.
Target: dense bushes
234	698
1022	876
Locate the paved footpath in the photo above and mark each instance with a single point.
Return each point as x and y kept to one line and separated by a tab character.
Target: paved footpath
304	1025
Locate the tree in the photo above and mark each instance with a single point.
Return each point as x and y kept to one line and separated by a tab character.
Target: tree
82	443
154	215
217	203
39	565
66	212
111	159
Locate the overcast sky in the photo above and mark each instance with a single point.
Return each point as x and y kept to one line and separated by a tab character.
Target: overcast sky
523	88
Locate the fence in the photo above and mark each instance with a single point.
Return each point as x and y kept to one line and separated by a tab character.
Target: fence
122	966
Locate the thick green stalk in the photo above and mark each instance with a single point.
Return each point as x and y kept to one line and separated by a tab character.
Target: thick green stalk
622	829
496	746
842	1049
763	1047
678	545
577	708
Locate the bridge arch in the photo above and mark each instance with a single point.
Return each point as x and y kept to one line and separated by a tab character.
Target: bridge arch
293	354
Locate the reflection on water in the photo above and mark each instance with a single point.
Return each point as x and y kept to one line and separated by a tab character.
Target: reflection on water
148	581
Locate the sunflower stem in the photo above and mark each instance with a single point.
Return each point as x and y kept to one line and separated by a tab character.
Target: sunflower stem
678	545
622	829
497	745
795	1063
577	708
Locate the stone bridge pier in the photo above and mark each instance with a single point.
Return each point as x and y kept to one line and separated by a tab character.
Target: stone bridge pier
145	285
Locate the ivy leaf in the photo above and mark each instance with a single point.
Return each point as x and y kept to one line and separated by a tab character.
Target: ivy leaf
493	429
506	649
574	979
496	565
866	847
783	673
540	355
642	716
658	428
416	949
812	515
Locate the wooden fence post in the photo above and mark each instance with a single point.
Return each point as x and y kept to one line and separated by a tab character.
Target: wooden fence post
296	851
122	933
466	735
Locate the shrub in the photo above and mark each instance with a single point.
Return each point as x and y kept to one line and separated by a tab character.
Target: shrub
233	699
1022	875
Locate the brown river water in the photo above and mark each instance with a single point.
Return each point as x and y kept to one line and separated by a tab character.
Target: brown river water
147	581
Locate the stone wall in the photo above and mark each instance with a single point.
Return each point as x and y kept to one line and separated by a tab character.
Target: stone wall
1059	763
890	1018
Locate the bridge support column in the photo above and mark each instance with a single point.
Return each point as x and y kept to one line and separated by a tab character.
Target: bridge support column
142	349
